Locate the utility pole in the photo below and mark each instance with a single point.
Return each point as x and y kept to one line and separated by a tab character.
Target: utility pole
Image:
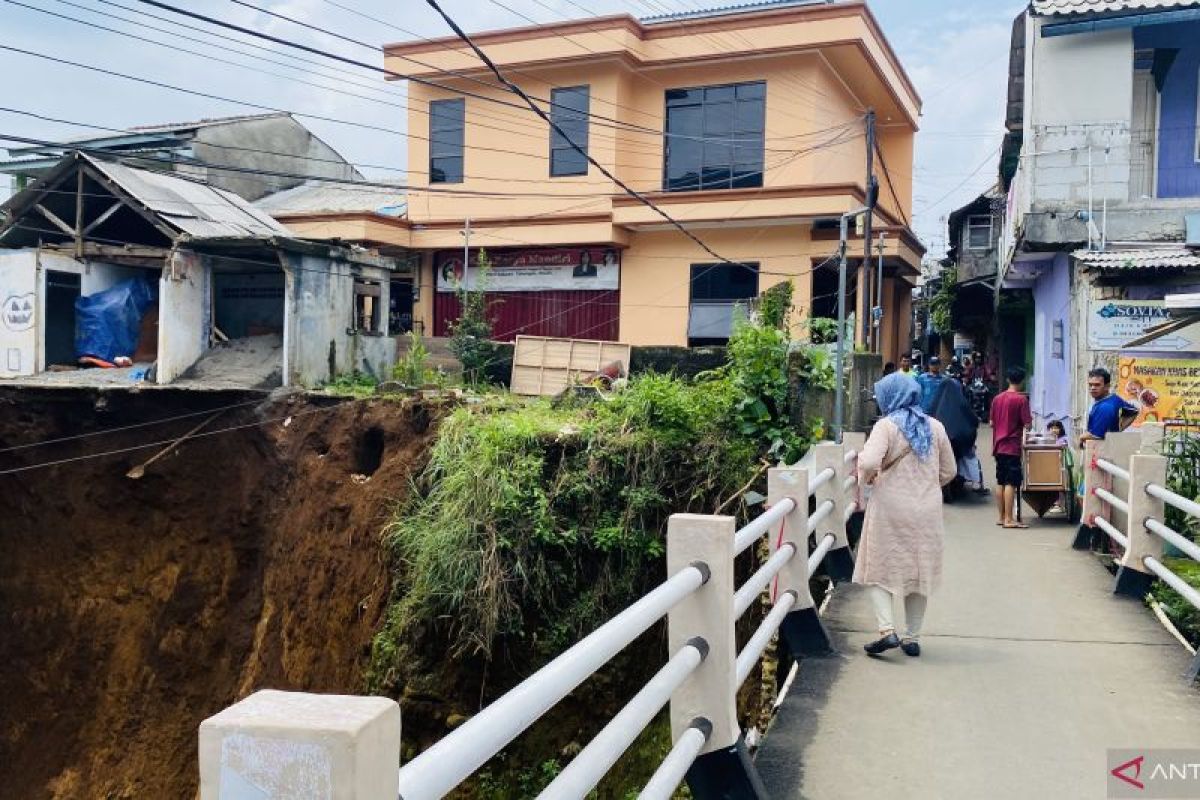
864	271
839	400
466	251
877	311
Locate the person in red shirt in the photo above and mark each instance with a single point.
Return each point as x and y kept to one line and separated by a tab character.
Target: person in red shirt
1011	417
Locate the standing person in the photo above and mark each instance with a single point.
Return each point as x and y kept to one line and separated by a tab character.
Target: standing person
930	382
1011	417
889	368
1110	413
907	460
906	367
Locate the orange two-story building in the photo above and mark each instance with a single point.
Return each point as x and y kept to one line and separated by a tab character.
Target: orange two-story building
746	126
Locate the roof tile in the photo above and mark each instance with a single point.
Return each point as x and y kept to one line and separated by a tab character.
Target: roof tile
1164	258
1076	7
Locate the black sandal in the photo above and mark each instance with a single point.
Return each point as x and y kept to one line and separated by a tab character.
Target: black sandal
889	642
910	647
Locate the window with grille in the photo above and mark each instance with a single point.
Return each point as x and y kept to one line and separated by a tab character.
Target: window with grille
446	126
979	232
714	137
569	111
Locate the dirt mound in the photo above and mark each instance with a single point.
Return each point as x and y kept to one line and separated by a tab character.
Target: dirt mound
133	609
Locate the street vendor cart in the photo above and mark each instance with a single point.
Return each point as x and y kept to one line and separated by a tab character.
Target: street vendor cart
1049	477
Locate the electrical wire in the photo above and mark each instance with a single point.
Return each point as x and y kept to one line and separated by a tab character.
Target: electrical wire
335	182
557	129
168	442
134	426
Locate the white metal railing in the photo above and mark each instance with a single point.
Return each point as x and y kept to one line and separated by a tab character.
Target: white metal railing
1136	459
1112	500
679	760
1105	510
448	763
761	524
700	681
1107	466
833	490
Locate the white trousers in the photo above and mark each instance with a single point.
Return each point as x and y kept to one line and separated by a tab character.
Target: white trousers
914	611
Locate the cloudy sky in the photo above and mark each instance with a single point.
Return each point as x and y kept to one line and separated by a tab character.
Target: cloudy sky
954	50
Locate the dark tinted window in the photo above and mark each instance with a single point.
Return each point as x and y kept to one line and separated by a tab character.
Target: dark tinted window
446	141
723	282
569	111
714	137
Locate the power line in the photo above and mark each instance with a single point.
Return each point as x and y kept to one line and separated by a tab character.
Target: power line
641	74
334	181
972	174
557	129
891	186
604	120
119	429
168	442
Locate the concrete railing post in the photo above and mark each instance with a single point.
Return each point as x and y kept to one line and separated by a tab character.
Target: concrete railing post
724	768
856	442
839	562
1133	579
1119	448
297	745
1154	435
1088	533
801	632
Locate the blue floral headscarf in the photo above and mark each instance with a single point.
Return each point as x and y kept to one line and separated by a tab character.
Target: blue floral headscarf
899	398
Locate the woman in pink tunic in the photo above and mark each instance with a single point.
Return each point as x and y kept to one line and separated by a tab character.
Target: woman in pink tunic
906	461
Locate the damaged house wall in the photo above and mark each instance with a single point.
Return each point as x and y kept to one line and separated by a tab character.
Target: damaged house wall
273	143
185	314
23	289
321	334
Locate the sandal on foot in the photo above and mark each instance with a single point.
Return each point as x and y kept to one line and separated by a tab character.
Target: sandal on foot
880	645
910	647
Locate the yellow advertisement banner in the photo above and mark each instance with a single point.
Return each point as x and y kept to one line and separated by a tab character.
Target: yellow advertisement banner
1161	388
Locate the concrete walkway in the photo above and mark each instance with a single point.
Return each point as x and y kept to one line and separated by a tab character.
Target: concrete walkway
1031	669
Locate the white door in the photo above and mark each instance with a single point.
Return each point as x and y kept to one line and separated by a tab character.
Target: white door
1143	136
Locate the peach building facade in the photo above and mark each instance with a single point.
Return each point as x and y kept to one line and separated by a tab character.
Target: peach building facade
747	128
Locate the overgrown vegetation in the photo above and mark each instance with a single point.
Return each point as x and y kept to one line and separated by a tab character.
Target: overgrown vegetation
1183	614
758	371
535	520
941	305
822	330
412	368
471	333
354	384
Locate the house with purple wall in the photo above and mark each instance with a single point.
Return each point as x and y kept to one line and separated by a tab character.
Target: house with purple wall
1101	169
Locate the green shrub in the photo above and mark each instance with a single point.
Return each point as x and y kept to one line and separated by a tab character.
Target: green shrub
412	369
471	333
1185	616
532	522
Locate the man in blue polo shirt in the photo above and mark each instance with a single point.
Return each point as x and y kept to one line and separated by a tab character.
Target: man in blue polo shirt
1110	413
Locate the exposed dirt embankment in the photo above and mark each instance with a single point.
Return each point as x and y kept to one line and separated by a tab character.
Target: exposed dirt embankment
133	609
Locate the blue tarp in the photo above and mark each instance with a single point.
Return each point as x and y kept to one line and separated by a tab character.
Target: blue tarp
107	323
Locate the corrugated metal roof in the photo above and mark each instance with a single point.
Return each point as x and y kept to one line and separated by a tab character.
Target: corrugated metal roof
1165	258
207	122
315	197
740	8
1075	7
197	209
